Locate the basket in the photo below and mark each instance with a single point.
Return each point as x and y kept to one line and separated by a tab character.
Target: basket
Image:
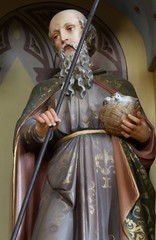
115	110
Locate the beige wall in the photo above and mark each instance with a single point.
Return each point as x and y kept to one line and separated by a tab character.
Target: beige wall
154	76
17	85
153	170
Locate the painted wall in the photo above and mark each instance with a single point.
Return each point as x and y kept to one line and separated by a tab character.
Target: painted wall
17	84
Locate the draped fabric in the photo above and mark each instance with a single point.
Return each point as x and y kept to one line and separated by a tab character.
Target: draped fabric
95	183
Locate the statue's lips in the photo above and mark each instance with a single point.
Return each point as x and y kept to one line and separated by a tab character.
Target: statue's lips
68	48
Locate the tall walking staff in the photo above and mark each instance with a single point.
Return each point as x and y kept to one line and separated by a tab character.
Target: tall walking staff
50	130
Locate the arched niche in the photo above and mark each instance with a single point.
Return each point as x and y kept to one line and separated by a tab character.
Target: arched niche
24	35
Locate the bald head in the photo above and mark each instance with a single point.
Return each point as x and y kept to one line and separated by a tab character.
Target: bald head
64	16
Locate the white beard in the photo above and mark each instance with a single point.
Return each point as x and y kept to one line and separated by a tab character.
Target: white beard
82	77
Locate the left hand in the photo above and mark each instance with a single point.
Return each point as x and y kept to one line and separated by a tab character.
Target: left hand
135	127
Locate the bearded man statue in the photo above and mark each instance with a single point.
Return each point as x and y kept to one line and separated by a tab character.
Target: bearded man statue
92	185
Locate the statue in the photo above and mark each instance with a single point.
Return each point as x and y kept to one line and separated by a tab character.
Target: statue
92	185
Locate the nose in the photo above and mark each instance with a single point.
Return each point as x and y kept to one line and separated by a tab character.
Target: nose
64	36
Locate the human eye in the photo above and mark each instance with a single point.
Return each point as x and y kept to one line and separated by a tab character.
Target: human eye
70	28
55	37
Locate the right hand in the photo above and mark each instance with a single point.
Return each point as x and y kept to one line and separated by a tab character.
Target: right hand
45	120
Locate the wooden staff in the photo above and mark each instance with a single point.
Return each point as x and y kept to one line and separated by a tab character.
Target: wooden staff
50	130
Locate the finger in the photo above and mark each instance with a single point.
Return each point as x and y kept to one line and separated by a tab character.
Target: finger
127	128
40	119
44	119
140	115
49	118
126	124
134	119
124	134
53	113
